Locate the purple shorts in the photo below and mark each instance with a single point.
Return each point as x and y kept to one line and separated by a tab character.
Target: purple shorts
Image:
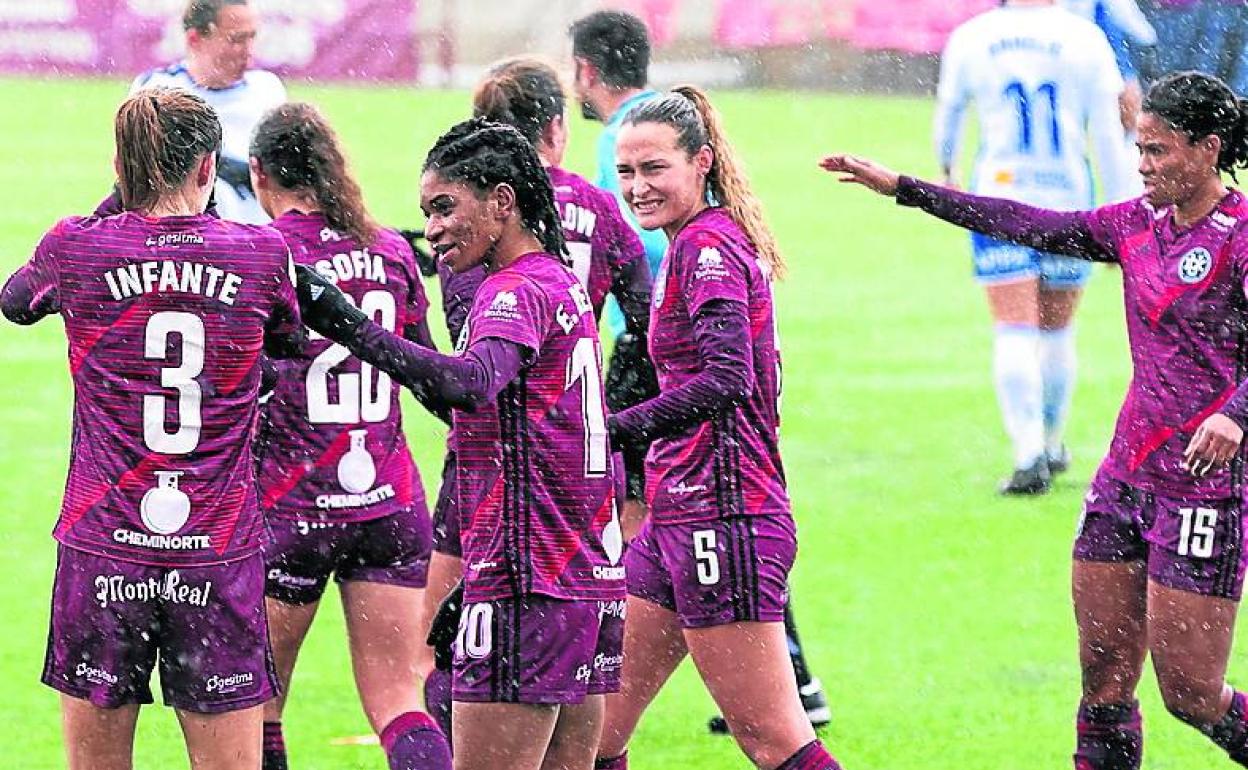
711	573
1194	545
446	513
110	620
538	650
303	554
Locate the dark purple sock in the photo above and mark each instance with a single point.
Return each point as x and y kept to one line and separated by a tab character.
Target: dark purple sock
812	756
1231	732
612	763
274	748
438	700
412	741
1109	736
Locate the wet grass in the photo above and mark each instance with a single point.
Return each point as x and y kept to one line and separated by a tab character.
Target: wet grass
936	614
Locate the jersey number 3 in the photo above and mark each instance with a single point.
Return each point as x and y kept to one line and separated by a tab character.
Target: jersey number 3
190	330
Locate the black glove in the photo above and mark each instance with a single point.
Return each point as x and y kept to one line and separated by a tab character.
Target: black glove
630	381
424	258
324	308
445	627
237	174
630	374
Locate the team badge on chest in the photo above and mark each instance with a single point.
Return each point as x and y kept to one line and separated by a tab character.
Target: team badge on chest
1195	265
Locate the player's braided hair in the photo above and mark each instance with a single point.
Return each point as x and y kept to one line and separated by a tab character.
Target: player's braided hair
482	154
161	135
1201	105
521	92
202	14
688	110
298	148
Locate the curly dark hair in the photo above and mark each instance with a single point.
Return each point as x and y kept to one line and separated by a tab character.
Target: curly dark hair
481	154
1201	105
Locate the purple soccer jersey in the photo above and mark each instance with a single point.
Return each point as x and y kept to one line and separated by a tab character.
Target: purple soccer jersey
730	465
534	472
600	243
1186	309
1184	291
332	445
166	320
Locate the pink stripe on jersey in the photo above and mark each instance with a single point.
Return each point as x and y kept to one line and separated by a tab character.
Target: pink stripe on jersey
80	347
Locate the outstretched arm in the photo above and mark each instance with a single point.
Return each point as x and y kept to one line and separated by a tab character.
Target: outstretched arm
1062	232
461	382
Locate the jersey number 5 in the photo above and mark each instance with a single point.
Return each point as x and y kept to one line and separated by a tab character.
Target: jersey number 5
358	400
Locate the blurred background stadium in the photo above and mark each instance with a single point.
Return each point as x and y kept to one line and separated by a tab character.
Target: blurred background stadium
936	613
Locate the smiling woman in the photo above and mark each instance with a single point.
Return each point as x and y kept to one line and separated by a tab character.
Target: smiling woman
534	485
714	474
1160	555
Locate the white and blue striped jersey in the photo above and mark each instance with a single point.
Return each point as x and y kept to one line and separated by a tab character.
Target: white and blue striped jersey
240	108
1044	83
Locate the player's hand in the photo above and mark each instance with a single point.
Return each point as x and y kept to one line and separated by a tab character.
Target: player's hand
424	258
1213	445
861	171
445	627
324	308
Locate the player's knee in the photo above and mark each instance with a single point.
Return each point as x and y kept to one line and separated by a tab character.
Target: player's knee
1192	701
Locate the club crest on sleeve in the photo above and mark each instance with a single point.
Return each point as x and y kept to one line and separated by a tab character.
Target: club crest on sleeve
1195	265
504	306
710	265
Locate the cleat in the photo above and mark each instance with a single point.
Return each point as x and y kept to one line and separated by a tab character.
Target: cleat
1032	480
1060	462
815	702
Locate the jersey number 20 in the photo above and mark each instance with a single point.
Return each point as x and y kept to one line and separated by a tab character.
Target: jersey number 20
358	400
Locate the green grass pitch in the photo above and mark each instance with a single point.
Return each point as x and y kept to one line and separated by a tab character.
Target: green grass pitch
936	614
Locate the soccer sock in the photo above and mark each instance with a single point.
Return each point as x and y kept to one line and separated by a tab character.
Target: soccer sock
612	763
1231	732
274	748
1109	737
812	756
1020	390
412	741
438	699
1057	365
796	655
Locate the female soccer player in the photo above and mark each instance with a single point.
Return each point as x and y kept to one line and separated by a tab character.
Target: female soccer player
539	636
337	482
707	575
1044	83
1159	557
167	311
605	254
